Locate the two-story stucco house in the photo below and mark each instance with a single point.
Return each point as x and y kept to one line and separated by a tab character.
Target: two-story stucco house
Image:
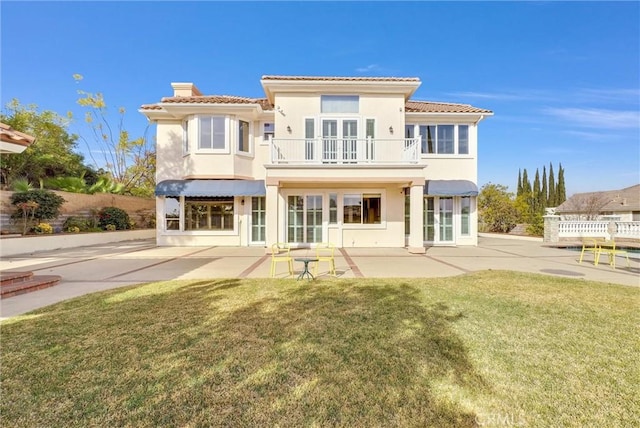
348	160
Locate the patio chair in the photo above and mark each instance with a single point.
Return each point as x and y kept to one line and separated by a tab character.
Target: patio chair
591	245
280	253
325	253
611	250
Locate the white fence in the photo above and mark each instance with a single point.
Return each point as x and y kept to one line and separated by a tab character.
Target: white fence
344	151
599	229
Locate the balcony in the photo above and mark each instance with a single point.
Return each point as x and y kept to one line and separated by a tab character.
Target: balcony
345	151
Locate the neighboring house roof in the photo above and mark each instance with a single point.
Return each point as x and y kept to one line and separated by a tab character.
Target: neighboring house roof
623	200
13	141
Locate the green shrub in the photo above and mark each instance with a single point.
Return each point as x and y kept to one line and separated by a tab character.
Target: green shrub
76	222
48	204
43	228
110	227
113	216
73	229
536	227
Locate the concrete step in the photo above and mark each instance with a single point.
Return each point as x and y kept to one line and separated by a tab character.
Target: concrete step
15	283
13	277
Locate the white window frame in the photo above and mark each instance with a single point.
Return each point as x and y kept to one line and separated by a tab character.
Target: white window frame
264	139
456	140
361	192
185	137
207	232
249	137
460	213
226	148
336	97
165	212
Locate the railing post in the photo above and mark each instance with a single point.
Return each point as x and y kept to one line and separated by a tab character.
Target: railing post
271	149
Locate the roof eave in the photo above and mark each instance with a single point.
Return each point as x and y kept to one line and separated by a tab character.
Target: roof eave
271	86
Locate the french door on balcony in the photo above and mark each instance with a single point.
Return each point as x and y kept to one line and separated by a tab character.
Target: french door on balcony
304	218
339	140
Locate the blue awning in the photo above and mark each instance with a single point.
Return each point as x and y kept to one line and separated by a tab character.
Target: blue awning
211	188
450	188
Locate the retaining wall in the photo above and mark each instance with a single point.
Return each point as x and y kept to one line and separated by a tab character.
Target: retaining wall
140	210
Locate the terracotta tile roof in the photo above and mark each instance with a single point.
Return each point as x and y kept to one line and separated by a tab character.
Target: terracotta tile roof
210	99
151	107
410	106
348	79
10	135
437	107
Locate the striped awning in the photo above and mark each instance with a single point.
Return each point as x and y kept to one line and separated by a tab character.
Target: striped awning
211	188
450	188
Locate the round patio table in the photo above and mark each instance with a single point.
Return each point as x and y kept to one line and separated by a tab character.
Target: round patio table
305	272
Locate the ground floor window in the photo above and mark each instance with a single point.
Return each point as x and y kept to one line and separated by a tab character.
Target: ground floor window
363	208
258	219
208	214
429	219
465	212
172	213
407	215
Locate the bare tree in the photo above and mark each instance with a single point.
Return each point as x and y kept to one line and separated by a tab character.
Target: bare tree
585	206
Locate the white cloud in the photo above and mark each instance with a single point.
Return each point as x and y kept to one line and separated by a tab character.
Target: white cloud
368	68
596	118
524	95
589	135
616	95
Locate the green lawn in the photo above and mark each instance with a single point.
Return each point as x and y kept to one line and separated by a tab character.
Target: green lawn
489	349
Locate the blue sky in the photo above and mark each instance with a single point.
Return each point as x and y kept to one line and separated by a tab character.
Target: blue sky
563	79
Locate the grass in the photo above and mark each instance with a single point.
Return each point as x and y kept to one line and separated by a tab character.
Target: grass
489	349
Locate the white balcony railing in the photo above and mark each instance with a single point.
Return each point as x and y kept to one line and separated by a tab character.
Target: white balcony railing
599	229
350	151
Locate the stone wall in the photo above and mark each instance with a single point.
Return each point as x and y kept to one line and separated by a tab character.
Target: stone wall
140	210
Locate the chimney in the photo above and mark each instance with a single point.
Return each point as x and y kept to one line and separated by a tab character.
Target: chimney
185	90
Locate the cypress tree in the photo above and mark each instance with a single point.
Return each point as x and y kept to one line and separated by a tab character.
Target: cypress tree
544	192
561	192
551	200
519	192
526	184
537	194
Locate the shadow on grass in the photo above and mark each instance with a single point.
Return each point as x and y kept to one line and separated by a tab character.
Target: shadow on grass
336	354
214	353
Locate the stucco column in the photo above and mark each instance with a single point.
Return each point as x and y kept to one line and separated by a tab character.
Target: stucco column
551	228
272	216
416	226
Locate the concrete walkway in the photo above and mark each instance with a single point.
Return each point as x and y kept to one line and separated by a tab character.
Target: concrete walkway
100	267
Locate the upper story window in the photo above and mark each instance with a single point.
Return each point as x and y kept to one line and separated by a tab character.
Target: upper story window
339	104
268	130
243	136
185	137
442	139
212	133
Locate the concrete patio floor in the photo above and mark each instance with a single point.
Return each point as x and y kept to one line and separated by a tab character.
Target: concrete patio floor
100	267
